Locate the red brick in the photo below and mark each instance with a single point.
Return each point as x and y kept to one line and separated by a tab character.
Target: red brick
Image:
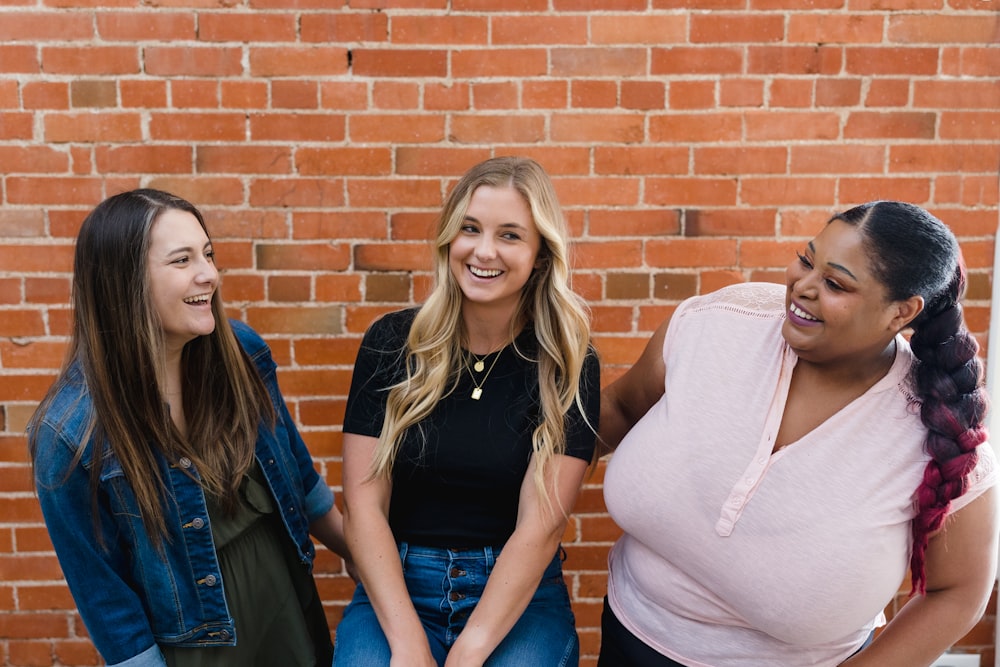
598	127
741	93
838	92
485	128
686	60
143	94
193	61
340	27
397	128
400	62
896	124
188	94
439	30
180	126
487	62
298	61
637	29
143	159
828	28
294	127
310	192
91	127
700	127
718	28
533	29
969	125
107	60
243	94
643	94
545	94
39	26
139	26
885	60
915	190
742	222
837	158
296	320
941	29
796	60
53	190
691	191
48	95
888	93
392	256
243	159
785	191
395	95
692	94
740	160
303	257
581	191
956	94
205	190
607	254
426	160
246	27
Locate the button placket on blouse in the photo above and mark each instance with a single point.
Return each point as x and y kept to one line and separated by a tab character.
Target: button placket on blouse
752	476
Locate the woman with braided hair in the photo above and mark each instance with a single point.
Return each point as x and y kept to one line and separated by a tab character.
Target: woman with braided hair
787	454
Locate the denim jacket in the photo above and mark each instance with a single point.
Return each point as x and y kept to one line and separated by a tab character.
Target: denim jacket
132	596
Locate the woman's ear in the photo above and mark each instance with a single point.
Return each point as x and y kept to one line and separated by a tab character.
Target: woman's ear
906	311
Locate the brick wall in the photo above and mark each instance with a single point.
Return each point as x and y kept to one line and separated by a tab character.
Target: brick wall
693	143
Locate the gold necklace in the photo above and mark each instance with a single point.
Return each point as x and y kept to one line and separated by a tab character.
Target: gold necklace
477	392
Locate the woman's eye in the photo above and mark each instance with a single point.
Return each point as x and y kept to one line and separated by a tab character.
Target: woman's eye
804	261
510	236
210	255
834	286
181	260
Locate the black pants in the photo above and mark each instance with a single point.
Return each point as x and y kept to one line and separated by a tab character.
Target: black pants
620	648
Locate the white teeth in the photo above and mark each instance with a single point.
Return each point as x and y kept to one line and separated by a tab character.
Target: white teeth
485	273
201	298
801	313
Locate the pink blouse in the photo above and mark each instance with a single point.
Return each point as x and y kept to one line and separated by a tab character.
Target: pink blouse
737	557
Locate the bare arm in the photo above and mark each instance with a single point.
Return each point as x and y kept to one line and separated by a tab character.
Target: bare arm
329	529
366	527
961	568
522	562
628	398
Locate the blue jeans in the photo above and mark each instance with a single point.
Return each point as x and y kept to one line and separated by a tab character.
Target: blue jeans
445	586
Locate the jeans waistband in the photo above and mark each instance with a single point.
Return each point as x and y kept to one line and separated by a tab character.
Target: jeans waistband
487	553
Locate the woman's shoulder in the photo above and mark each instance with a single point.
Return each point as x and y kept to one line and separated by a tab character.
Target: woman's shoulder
758	299
391	329
67	412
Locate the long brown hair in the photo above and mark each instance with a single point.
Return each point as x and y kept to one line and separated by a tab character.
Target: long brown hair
117	343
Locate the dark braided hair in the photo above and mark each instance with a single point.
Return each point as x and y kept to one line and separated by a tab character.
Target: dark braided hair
914	253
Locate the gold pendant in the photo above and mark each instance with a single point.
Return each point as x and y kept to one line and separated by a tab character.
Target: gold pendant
479	366
476	393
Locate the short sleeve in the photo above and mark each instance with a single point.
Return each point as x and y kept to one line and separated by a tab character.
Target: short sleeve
581	434
982	478
379	365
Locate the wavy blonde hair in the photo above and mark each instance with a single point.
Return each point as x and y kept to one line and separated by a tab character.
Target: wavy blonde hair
560	318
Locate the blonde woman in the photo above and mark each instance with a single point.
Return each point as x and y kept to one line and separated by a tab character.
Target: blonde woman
470	425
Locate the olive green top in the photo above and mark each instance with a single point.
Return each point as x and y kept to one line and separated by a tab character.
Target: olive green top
271	595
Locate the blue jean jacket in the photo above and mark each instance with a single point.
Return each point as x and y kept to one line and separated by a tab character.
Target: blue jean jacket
132	596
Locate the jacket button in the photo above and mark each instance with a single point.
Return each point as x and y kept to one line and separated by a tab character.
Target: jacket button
198	523
210	580
224	635
184	462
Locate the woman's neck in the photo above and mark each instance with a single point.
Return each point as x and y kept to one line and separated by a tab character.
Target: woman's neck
487	331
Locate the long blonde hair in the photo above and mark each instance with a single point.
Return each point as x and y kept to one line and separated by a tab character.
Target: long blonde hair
559	316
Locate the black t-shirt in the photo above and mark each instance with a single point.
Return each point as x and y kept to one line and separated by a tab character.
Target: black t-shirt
457	475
